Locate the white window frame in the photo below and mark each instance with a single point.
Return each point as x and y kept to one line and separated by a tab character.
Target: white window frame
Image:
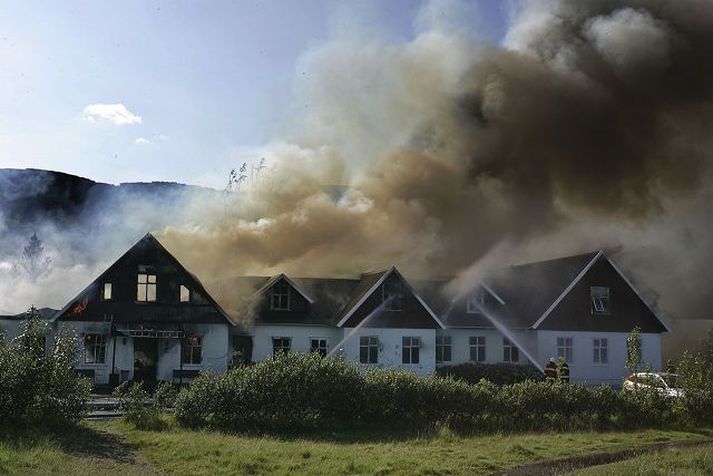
565	348
477	344
283	298
194	345
184	294
371	344
146	287
107	292
281	347
97	349
323	350
601	300
510	350
444	342
392	295
600	344
410	350
475	301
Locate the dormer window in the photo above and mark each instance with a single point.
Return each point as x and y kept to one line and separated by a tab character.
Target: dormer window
184	294
106	292
146	287
391	295
601	302
280	297
476	301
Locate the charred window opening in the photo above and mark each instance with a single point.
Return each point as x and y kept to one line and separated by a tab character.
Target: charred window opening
601	351
565	348
146	287
476	301
281	345
106	292
369	350
510	351
184	294
391	295
443	349
280	297
601	303
94	348
477	348
410	350
319	345
192	352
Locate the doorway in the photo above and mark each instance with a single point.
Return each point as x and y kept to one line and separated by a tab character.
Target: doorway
145	360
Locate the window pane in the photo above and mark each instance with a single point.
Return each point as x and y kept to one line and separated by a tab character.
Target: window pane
447	353
152	278
142	278
151	292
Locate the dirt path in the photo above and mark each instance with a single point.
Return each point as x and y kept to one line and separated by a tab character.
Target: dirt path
566	465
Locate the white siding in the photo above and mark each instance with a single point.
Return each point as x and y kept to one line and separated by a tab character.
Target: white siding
301	335
390	347
460	345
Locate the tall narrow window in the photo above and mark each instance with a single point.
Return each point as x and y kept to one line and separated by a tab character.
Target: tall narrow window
477	348
319	345
94	348
601	351
601	303
281	345
146	287
510	351
106	292
476	301
443	349
185	294
280	297
565	348
192	352
369	350
410	350
391	295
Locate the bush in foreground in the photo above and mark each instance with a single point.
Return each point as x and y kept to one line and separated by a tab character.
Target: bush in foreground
295	391
499	374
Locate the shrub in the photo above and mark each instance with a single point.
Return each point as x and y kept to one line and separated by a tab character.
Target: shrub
499	374
140	409
38	385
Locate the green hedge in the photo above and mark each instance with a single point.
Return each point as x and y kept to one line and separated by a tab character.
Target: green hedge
499	374
298	391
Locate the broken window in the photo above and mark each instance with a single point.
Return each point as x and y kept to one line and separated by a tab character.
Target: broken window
410	350
192	351
601	303
106	292
281	345
476	301
319	345
565	348
510	351
391	295
280	298
185	294
443	349
369	350
601	351
477	348
146	287
94	348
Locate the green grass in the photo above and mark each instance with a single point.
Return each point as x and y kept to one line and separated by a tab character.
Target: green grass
683	462
116	448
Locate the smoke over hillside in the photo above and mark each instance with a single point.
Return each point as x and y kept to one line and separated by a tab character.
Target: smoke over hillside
586	129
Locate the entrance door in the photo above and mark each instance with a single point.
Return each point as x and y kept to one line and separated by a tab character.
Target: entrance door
145	360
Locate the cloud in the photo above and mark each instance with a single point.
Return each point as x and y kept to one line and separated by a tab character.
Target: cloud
142	141
115	113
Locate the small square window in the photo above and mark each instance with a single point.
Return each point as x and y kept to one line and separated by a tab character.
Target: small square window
443	349
601	351
280	297
185	294
281	345
369	350
319	345
601	302
410	350
565	349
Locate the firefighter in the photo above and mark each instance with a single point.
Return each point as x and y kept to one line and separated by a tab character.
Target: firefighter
551	371
563	371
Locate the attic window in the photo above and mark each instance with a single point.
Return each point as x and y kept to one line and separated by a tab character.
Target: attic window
185	294
476	301
601	303
391	295
146	287
280	297
106	292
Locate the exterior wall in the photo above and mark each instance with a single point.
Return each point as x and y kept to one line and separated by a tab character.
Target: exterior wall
10	328
460	345
583	369
390	348
301	335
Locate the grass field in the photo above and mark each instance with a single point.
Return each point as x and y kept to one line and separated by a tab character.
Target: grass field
689	461
116	448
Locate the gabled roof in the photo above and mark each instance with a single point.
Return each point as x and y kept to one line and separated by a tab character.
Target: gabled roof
275	279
